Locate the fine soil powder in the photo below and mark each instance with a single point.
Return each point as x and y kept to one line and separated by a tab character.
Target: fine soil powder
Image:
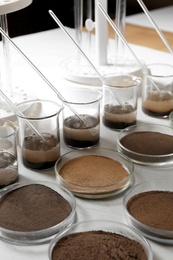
94	171
153	208
97	245
149	143
32	207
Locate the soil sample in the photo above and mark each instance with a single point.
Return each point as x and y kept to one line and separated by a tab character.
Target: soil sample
95	174
117	117
97	245
38	154
156	104
149	143
32	207
81	134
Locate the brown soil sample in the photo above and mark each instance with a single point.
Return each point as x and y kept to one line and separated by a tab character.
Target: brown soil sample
32	207
97	245
119	114
93	171
119	110
153	208
149	143
156	102
35	150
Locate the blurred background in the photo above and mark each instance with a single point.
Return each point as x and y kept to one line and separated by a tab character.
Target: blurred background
35	17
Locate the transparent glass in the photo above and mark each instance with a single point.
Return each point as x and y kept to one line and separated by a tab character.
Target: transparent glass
105	226
120	16
42	236
6	69
78	19
95	191
157	94
165	160
156	234
8	153
82	129
43	117
120	96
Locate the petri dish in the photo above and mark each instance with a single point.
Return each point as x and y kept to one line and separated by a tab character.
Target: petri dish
153	201
95	173
20	229
147	144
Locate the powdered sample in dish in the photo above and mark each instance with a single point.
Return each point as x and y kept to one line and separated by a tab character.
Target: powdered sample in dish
148	207
153	208
147	144
32	207
97	245
94	173
150	143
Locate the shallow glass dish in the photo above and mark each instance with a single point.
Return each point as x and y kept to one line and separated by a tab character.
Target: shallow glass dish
39	236
142	158
96	188
106	226
158	235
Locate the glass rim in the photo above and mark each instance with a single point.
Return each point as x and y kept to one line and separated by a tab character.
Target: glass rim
135	81
162	75
99	97
60	108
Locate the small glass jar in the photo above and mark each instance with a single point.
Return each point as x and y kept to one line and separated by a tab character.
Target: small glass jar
157	94
39	138
120	95
81	117
8	153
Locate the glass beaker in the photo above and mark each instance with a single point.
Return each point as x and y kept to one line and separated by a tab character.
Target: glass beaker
120	96
43	116
8	153
82	129
157	94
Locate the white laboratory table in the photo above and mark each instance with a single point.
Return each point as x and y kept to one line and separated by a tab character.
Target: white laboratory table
46	50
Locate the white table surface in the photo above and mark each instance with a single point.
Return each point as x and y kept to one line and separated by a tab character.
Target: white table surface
46	50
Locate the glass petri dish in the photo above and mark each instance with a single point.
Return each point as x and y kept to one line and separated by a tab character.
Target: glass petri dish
113	227
152	229
95	173
36	236
148	138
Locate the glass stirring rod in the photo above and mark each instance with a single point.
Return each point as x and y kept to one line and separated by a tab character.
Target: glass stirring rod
102	79
41	74
17	112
